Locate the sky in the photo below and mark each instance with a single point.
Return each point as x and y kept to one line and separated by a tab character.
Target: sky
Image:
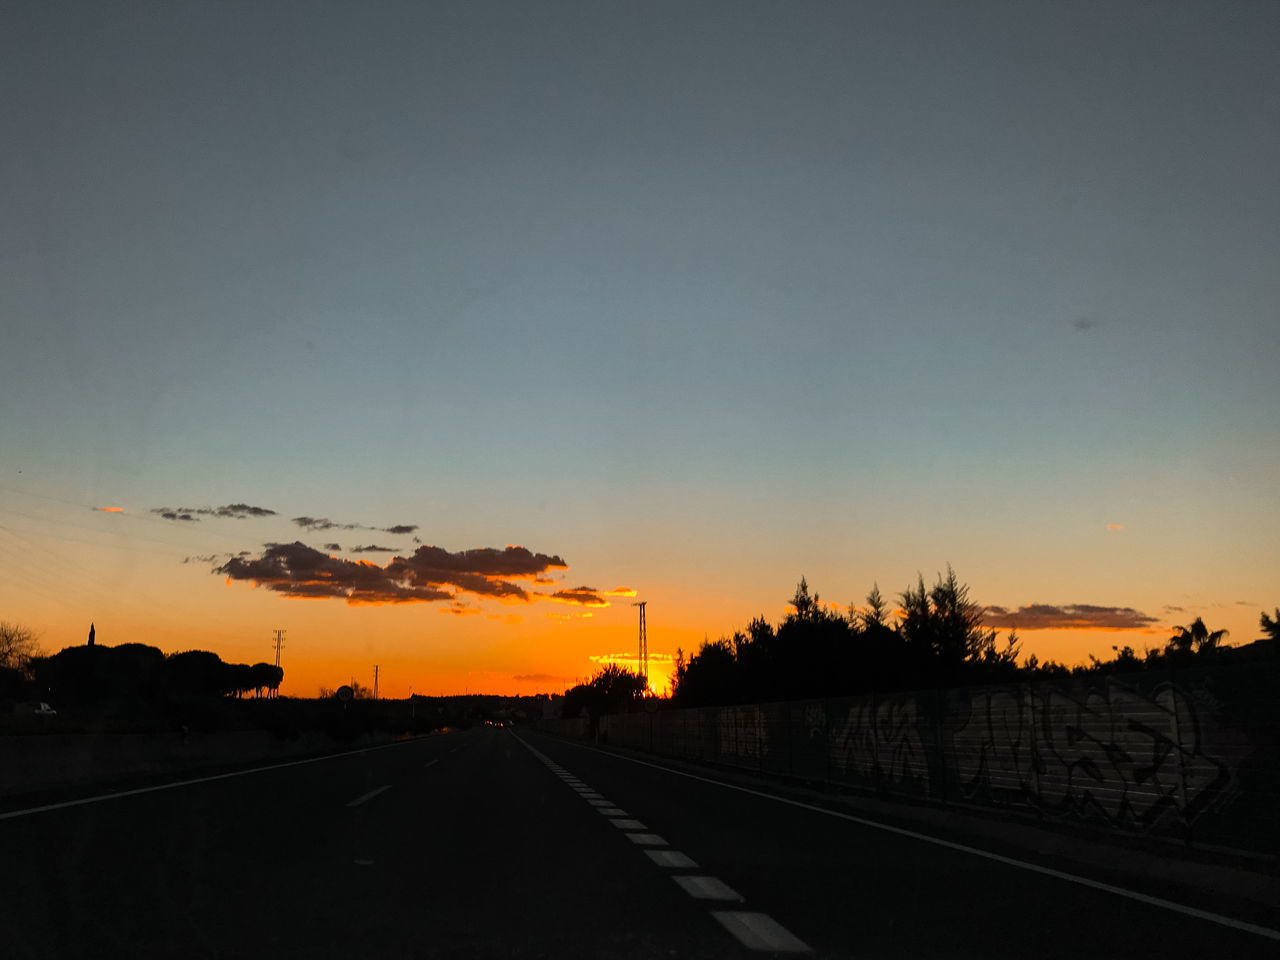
631	301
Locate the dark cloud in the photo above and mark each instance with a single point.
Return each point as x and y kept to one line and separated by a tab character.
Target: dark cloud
236	511
538	678
430	573
1071	616
400	529
180	514
324	523
1169	608
373	548
239	510
1085	323
583	596
205	558
333	546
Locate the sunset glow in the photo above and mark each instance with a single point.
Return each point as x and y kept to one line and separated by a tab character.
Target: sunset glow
477	342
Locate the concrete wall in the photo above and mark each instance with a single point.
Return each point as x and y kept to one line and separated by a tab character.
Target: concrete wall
1196	756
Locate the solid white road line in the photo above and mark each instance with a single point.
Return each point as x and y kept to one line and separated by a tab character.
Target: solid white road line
601	802
628	824
671	858
194	780
368	796
646	839
707	888
1160	902
432	763
759	931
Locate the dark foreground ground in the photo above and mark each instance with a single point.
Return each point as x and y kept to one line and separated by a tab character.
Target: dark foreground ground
489	843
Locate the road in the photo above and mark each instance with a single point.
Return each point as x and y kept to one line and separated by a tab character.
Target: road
489	843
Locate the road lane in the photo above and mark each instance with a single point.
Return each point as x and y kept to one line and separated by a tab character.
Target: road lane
475	849
849	890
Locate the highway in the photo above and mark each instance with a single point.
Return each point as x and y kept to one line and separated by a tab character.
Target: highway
494	843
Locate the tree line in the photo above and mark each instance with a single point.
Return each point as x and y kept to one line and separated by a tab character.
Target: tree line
934	638
130	671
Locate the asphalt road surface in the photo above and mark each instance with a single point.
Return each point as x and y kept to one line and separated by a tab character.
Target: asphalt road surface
489	843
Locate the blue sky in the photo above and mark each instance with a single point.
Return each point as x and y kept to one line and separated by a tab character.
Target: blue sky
702	297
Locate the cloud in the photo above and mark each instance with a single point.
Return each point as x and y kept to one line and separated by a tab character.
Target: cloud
460	610
630	657
1169	608
205	558
324	523
1085	323
333	546
239	511
620	592
236	511
1115	526
110	509
373	548
584	596
1071	616
1243	603
539	678
430	573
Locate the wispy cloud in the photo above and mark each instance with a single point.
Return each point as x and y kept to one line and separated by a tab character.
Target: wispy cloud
1115	526
234	511
583	596
333	546
429	574
619	592
1086	323
324	523
373	548
1070	616
109	509
539	678
630	657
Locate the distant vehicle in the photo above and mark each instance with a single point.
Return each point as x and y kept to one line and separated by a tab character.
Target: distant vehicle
39	708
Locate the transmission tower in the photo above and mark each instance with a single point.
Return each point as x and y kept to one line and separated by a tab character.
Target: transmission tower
279	646
644	642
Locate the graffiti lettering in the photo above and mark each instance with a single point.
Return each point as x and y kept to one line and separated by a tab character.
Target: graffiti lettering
881	742
1110	752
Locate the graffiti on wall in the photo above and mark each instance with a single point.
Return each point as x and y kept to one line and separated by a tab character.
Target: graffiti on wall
880	741
1113	752
743	732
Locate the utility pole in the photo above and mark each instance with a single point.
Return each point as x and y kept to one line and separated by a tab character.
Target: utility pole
375	681
644	643
279	647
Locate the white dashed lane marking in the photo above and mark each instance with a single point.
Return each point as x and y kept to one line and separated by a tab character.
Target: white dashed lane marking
759	931
707	888
646	839
672	858
368	796
756	931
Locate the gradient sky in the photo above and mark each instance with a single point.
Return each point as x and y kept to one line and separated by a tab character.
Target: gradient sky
695	298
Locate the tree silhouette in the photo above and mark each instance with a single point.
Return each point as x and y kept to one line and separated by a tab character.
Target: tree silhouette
1196	638
1271	626
17	646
